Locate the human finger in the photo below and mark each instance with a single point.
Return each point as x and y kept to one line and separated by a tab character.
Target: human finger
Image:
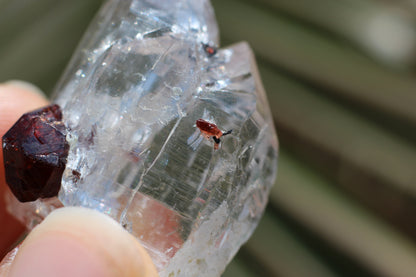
75	241
16	98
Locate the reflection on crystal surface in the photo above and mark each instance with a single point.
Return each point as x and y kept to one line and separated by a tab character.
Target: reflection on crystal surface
130	98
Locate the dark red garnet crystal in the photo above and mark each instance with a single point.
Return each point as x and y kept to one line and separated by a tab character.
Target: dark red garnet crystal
35	151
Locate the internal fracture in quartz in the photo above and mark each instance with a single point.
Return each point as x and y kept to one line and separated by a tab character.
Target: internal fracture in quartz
144	75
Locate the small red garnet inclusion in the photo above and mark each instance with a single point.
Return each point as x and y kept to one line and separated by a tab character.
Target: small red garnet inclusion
35	152
209	130
211	51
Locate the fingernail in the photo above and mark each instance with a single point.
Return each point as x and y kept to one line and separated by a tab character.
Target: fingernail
7	261
81	242
25	86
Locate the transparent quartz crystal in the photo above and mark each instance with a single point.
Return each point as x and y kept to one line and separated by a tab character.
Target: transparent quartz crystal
130	98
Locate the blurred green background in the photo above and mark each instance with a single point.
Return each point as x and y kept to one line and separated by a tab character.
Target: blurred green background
340	77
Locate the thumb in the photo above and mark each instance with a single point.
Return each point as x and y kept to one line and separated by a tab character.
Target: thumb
79	242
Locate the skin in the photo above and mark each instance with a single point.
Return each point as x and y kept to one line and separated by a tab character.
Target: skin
70	241
14	101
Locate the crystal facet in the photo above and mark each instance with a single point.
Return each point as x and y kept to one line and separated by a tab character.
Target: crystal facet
34	153
145	98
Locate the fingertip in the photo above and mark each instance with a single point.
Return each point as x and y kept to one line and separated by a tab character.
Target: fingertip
16	98
25	86
81	242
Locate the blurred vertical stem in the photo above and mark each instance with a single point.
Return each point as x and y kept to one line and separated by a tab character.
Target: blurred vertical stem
382	30
337	69
376	166
38	51
281	254
314	202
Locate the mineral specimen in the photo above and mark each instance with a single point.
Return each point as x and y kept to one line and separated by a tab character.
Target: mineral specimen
211	130
145	72
34	153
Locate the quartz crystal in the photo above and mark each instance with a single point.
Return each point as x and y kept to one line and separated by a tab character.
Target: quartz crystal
143	75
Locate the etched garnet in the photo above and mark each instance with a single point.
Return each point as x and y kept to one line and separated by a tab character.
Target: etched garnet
34	152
